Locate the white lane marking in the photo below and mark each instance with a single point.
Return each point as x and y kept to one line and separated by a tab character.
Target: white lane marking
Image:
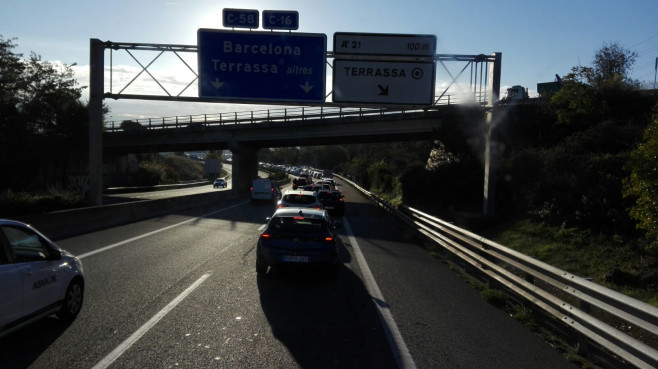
102	249
395	340
125	345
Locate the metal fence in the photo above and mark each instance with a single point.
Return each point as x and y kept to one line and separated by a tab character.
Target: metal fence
625	328
264	116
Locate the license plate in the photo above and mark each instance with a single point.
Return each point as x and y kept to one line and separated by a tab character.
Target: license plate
295	259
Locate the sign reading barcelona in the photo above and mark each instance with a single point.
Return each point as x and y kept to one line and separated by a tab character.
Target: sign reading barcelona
262	66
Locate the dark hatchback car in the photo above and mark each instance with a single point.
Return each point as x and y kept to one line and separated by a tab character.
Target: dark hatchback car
299	238
300	182
220	182
332	201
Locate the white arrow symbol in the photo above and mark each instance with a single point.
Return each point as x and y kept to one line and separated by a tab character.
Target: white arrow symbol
217	84
306	87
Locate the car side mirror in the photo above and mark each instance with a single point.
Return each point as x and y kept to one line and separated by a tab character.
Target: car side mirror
54	254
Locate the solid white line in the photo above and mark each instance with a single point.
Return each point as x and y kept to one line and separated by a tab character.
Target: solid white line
395	340
102	249
125	345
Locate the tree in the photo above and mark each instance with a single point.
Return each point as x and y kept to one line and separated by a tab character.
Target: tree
642	184
42	120
590	94
612	64
14	134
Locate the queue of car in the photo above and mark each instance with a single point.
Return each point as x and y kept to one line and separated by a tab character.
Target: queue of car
301	232
39	279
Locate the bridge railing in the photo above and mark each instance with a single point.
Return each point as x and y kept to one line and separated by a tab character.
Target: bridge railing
624	328
280	115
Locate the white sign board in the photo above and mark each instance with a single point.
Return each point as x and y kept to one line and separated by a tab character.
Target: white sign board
383	82
384	44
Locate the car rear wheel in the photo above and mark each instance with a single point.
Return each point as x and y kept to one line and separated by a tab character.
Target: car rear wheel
72	301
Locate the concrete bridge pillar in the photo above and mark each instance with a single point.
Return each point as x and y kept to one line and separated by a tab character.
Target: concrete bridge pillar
245	166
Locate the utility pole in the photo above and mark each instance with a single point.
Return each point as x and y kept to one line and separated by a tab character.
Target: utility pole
655	69
96	65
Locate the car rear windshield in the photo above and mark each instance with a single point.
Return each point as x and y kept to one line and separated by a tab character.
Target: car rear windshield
297	224
299	199
329	195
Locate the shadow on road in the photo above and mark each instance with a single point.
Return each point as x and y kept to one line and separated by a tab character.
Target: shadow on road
22	348
325	322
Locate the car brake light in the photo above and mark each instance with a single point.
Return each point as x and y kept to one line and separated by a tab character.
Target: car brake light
265	235
329	239
251	188
341	199
298	218
282	206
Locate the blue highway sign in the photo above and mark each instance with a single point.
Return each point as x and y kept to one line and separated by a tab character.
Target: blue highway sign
262	66
240	18
280	19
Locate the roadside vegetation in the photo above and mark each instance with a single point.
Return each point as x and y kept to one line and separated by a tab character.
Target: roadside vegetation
576	178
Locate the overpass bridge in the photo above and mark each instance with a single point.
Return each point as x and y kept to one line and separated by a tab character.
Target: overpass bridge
281	128
246	132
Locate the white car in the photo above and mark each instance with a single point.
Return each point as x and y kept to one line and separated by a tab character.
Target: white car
264	189
37	278
299	199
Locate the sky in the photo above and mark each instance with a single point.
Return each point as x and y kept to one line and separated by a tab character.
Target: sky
537	39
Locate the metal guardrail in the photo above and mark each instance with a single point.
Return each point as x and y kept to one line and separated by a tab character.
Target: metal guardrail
624	327
281	115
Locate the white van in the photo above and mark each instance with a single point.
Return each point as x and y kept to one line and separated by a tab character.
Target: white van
264	189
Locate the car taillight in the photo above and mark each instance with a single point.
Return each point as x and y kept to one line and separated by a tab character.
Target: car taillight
282	206
265	236
329	239
251	188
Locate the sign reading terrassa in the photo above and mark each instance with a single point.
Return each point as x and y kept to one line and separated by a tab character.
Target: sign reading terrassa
262	66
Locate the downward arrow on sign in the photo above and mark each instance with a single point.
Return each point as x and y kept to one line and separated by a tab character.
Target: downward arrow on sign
306	87
217	84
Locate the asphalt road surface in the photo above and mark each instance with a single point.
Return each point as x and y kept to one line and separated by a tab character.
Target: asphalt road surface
181	291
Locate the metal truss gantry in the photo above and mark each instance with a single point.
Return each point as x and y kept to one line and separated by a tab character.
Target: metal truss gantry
484	85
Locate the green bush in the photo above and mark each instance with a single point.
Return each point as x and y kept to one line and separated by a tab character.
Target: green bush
22	203
642	184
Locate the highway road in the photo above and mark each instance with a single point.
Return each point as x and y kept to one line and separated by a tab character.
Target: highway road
181	291
163	194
